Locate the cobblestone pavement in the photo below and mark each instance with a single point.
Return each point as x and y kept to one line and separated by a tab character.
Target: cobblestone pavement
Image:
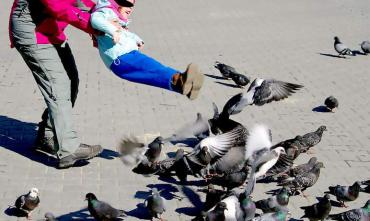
286	39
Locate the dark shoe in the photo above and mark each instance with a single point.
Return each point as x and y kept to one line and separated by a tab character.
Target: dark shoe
83	152
189	82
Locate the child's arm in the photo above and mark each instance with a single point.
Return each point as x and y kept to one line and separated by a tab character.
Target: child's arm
101	22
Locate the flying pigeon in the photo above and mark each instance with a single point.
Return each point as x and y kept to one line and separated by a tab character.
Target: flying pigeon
26	203
361	214
225	70
341	48
221	123
155	204
260	92
218	213
102	211
274	203
311	139
345	193
199	129
365	46
318	211
331	103
240	79
303	181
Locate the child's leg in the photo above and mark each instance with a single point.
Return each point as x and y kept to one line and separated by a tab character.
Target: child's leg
139	68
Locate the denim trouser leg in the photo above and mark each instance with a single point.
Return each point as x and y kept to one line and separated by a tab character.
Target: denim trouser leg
58	85
140	68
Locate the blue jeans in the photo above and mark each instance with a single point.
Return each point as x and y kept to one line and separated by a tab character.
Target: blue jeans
140	68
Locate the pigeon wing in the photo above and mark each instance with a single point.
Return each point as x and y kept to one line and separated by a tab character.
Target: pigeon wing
259	138
235	104
273	90
199	127
131	151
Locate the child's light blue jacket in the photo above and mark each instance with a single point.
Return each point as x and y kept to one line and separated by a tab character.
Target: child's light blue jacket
101	20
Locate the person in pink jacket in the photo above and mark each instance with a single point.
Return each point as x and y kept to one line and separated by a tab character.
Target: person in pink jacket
36	30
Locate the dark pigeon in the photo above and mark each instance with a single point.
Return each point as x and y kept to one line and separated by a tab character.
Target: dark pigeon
225	70
361	214
240	79
26	203
365	46
102	211
260	92
217	214
331	103
230	179
274	203
154	150
345	193
318	211
155	204
221	122
341	48
311	139
303	181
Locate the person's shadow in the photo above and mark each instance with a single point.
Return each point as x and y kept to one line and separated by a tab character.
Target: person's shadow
19	137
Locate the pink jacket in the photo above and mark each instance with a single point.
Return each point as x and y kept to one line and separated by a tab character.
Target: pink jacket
60	14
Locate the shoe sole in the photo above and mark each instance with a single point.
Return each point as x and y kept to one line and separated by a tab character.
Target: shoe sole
194	81
71	163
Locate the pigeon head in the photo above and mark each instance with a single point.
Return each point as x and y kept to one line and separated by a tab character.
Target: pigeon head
336	39
90	197
319	165
322	128
221	206
34	192
312	161
49	216
155	191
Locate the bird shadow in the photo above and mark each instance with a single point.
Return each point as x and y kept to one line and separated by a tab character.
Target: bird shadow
82	214
332	202
321	109
215	77
109	154
357	52
12	211
194	199
227	84
139	212
19	137
332	55
172	180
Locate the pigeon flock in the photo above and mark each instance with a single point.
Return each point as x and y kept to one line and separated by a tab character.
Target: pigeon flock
231	159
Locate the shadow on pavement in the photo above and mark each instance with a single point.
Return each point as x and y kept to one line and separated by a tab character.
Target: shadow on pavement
139	212
215	77
321	109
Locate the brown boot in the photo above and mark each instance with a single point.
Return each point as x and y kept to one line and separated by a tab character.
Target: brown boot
188	83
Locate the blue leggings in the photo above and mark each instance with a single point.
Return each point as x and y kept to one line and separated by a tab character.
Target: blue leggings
140	68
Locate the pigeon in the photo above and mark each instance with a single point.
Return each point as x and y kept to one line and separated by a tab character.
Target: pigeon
274	203
221	122
280	215
231	179
238	207
132	152
318	211
218	213
155	204
240	79
225	70
303	168
345	193
367	188
247	206
50	217
331	103
361	214
303	181
311	139
199	129
260	92
102	211
365	46
341	48
26	203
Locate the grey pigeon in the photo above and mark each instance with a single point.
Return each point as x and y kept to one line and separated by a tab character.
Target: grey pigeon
341	48
50	217
155	204
331	103
303	181
274	203
311	139
367	188
240	79
230	179
102	211
365	46
26	203
247	207
303	168
217	214
318	211
225	70
361	214
280	215
345	193
260	92
199	129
